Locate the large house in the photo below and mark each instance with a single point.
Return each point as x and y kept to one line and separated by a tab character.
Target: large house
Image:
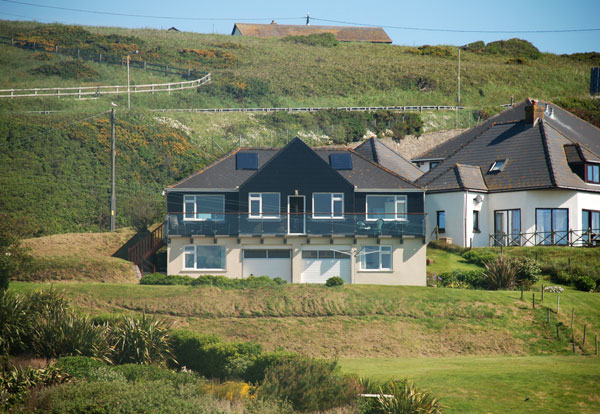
341	33
527	176
301	214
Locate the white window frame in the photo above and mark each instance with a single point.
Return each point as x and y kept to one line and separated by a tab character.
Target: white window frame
261	215
388	250
193	249
495	166
195	213
398	199
334	197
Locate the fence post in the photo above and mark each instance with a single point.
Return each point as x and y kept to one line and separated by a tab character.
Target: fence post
542	293
596	341
189	74
166	70
557	304
573	342
100	58
56	49
12	41
533	302
584	334
521	291
548	316
77	53
572	317
144	65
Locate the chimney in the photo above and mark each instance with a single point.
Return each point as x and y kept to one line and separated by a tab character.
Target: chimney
533	111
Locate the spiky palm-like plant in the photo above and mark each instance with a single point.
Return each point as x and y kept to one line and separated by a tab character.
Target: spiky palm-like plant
501	273
401	397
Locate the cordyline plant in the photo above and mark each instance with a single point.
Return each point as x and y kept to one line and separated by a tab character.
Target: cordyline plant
501	273
401	397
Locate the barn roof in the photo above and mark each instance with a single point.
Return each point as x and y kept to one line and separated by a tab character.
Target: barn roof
341	33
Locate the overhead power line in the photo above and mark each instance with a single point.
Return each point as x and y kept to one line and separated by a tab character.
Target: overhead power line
147	16
428	29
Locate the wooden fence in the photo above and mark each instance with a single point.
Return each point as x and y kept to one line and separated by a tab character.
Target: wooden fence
96	91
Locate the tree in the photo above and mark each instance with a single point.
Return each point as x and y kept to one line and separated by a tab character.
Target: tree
143	211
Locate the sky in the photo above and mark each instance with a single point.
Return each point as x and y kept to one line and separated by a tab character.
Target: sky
409	23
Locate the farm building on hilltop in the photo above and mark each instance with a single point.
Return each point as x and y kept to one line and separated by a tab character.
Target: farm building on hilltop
341	33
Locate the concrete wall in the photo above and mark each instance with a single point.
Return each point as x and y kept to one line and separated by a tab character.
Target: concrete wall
408	258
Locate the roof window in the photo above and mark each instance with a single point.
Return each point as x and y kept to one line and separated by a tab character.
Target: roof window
246	161
497	166
341	161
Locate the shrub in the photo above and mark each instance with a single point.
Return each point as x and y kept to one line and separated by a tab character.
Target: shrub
513	47
16	382
527	270
309	384
78	366
161	279
476	47
452	248
13	257
317	39
501	273
516	61
146	373
464	279
255	373
70	69
334	281
479	257
142	340
229	360
405	400
562	277
585	283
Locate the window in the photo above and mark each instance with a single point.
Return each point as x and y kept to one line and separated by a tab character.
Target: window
476	221
325	254
386	207
590	221
441	221
592	173
264	205
328	205
507	227
267	254
498	165
376	258
552	225
204	207
204	257
433	164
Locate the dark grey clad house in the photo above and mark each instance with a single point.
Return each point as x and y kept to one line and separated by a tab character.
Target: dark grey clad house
301	214
529	175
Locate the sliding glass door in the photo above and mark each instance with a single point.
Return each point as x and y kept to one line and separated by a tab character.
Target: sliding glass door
507	227
552	226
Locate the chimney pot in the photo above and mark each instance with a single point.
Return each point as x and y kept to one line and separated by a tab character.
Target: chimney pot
533	112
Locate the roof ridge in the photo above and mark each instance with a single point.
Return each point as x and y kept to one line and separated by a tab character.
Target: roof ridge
386	169
547	155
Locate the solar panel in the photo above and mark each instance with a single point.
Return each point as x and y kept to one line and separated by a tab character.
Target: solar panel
340	161
246	161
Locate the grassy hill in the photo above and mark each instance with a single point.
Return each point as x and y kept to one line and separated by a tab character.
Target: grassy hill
56	167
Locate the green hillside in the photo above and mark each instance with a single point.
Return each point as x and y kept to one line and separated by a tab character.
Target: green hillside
56	168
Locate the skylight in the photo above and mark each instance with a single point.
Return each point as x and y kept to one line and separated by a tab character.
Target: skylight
341	161
498	165
246	161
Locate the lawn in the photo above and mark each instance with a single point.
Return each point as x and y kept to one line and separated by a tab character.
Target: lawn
444	261
502	384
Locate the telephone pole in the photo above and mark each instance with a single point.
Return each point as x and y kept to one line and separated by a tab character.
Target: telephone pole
113	199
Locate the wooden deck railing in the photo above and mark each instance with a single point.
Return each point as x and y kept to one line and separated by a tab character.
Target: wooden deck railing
143	249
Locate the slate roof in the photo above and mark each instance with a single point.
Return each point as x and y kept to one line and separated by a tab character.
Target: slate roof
223	175
341	33
376	151
537	155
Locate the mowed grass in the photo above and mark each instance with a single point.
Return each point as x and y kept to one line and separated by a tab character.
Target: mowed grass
444	261
496	385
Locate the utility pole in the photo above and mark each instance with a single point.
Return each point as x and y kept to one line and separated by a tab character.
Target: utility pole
113	199
308	19
129	89
458	98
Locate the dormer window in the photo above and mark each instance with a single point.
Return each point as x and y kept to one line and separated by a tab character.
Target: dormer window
497	166
592	173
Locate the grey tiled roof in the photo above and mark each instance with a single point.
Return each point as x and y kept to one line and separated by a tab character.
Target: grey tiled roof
537	156
376	151
470	177
222	174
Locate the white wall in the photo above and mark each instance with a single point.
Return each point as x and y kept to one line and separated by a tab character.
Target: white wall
526	201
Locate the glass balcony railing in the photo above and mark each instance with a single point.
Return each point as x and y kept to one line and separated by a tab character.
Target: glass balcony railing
233	224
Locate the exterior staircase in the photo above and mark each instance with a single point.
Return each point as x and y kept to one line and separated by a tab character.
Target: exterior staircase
140	252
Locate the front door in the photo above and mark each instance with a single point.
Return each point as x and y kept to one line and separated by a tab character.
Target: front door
296	216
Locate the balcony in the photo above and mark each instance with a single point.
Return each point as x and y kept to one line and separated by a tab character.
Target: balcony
351	225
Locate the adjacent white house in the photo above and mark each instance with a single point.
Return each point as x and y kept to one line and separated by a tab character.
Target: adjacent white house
528	176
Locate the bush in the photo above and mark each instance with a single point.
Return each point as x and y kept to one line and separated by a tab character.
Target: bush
70	69
317	39
405	400
585	283
451	248
479	257
13	257
161	279
501	273
255	373
142	340
188	348
16	382
464	279
145	373
229	360
562	277
78	366
309	384
334	281
513	47
527	270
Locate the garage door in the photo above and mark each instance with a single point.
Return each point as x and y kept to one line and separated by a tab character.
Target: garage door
320	265
268	262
